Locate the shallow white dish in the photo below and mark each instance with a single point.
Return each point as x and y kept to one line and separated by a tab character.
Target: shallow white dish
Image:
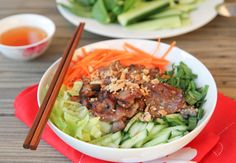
27	52
200	17
150	153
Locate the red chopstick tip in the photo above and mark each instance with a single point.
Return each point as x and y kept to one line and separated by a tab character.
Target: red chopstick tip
33	147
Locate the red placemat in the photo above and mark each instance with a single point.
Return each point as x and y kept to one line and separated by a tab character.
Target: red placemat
214	144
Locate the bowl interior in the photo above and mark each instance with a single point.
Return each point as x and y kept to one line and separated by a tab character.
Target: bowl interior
175	56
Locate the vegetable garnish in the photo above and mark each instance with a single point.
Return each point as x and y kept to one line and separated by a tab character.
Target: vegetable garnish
97	58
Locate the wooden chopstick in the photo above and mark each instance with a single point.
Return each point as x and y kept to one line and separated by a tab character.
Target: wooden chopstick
33	137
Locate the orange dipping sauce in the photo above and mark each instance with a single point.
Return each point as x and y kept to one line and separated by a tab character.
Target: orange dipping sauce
21	36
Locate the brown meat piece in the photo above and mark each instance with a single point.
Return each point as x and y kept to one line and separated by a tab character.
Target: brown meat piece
87	91
164	99
85	102
127	97
118	125
154	73
104	107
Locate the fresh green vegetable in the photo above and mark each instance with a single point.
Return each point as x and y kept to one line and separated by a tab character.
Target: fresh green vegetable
85	2
175	119
192	123
76	88
141	11
100	12
166	13
133	140
131	121
77	9
128	4
161	137
200	113
181	76
160	23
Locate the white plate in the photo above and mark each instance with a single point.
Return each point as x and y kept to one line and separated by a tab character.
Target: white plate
200	17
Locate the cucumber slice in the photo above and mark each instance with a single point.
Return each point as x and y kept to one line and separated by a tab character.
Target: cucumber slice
141	11
175	119
166	13
186	7
161	121
139	144
110	138
113	145
96	141
136	128
174	138
187	1
155	130
161	137
132	141
182	128
131	122
125	136
117	141
149	126
161	23
176	133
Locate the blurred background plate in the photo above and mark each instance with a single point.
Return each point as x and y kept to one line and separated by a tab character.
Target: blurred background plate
200	17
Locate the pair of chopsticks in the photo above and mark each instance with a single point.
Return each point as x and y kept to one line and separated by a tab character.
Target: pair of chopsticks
34	134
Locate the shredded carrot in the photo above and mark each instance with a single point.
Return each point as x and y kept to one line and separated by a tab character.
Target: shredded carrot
158	46
137	50
169	49
83	51
104	57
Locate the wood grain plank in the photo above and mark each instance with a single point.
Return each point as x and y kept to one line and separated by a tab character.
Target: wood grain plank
12	134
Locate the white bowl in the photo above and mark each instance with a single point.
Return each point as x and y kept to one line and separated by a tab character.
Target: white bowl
141	154
31	51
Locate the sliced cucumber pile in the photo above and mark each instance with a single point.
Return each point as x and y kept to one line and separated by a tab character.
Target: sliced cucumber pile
139	134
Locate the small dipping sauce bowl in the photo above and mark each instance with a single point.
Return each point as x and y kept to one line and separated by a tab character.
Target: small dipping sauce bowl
29	51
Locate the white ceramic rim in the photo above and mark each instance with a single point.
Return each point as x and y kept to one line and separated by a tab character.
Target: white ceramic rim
49	34
202	125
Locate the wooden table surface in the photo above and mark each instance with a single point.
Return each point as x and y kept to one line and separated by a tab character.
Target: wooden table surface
214	44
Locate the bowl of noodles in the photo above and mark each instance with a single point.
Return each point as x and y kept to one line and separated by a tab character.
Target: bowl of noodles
129	100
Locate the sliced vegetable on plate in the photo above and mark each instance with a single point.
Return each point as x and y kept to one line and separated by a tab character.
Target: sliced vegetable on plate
136	14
